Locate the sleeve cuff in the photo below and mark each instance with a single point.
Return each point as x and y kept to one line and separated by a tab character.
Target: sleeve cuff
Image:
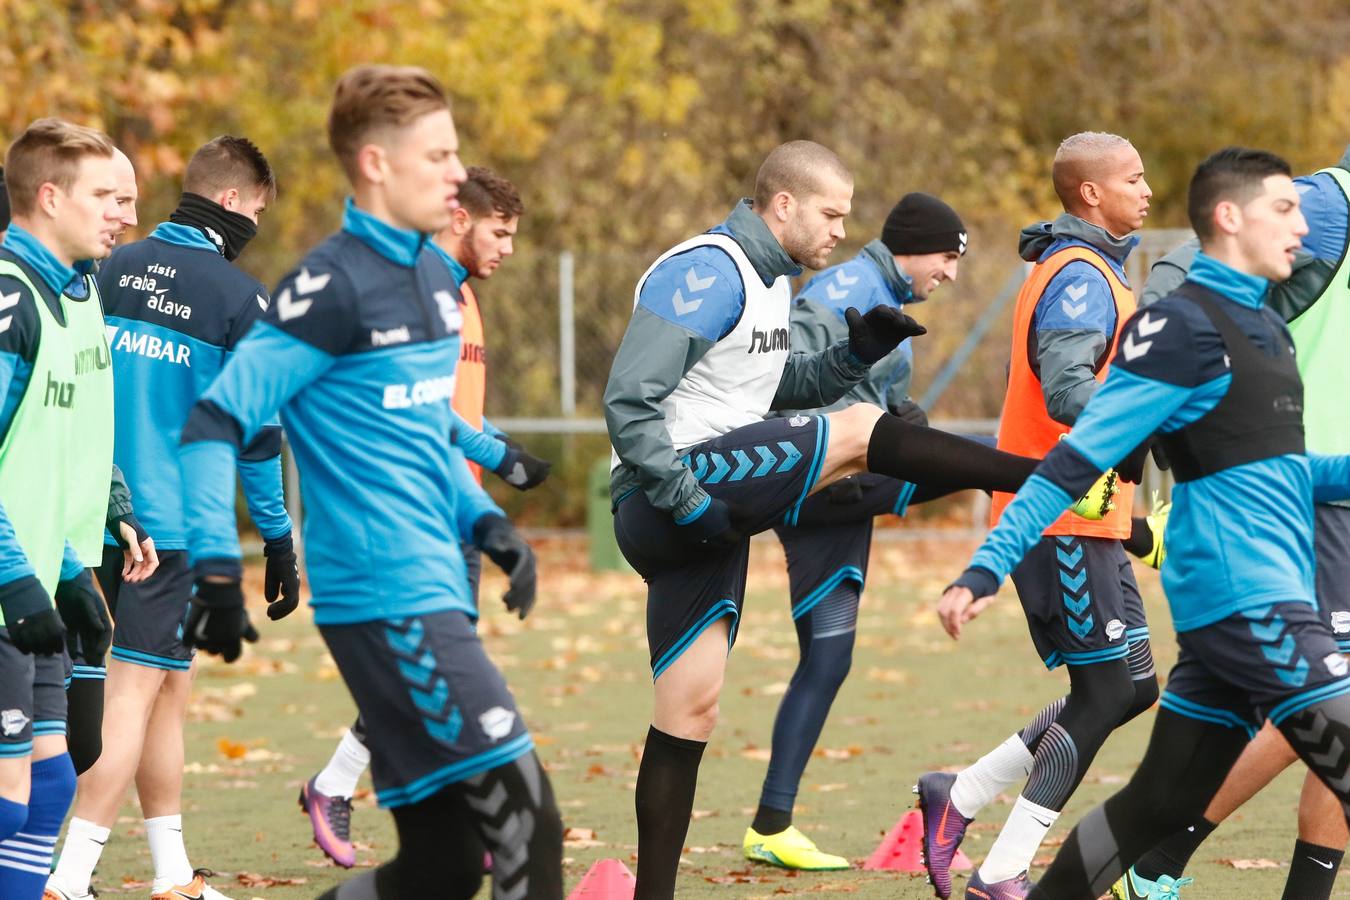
980	581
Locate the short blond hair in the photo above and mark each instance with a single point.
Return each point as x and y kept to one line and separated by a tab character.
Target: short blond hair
369	99
49	152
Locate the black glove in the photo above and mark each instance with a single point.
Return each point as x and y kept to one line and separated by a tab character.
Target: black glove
844	492
34	626
1160	457
521	470
86	618
130	518
872	336
282	576
1131	468
498	538
909	411
718	525
217	621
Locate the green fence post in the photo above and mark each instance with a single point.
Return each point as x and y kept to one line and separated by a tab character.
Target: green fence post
605	555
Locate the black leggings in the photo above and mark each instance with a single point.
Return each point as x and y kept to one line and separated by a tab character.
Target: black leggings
84	722
508	811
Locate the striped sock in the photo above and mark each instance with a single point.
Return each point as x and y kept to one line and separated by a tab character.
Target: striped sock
26	857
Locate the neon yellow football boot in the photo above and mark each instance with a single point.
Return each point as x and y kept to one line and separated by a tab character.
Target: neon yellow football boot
790	849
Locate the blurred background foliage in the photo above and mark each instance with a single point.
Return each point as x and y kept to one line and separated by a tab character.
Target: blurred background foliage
628	124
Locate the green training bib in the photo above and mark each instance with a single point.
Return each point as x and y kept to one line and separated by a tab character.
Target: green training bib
1320	335
34	462
89	475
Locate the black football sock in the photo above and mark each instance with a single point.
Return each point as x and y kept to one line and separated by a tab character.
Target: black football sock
1173	855
1312	872
771	821
666	781
937	459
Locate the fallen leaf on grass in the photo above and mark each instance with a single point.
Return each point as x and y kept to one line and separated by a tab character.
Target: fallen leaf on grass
737	878
838	752
1241	864
889	676
231	749
826	788
580	838
253	879
759	754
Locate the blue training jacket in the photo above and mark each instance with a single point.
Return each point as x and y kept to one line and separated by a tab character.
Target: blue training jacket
1236	539
176	309
358	351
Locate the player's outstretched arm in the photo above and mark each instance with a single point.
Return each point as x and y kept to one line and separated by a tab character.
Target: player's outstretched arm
813	380
1127	410
499	455
267	369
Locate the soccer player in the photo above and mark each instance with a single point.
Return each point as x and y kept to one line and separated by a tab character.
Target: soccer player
479	238
84	693
1076	587
698	470
1210	369
55	458
177	307
1313	301
920	248
358	351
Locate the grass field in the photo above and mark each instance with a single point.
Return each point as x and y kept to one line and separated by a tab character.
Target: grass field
914	701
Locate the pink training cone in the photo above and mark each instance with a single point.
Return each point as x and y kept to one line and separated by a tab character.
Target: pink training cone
608	879
901	850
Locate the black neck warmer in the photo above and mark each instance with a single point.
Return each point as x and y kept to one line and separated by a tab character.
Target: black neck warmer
229	231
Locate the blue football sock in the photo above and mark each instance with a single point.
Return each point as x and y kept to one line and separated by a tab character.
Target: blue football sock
26	856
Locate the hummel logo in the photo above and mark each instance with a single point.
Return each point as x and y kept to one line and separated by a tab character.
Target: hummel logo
306	283
845	279
684	307
696	284
834	292
1147	327
1132	350
288	308
7	301
1076	291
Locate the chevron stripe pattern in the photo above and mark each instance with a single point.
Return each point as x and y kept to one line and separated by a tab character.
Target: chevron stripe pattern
429	690
1324	745
737	465
507	823
1278	645
1071	564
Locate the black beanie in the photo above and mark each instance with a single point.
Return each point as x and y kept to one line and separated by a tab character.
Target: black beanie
4	201
921	223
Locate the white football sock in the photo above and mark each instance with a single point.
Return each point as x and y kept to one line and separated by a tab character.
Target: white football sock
80	853
339	777
1017	843
980	783
165	834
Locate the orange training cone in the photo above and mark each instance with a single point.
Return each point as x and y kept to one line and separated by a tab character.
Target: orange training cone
901	850
608	879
